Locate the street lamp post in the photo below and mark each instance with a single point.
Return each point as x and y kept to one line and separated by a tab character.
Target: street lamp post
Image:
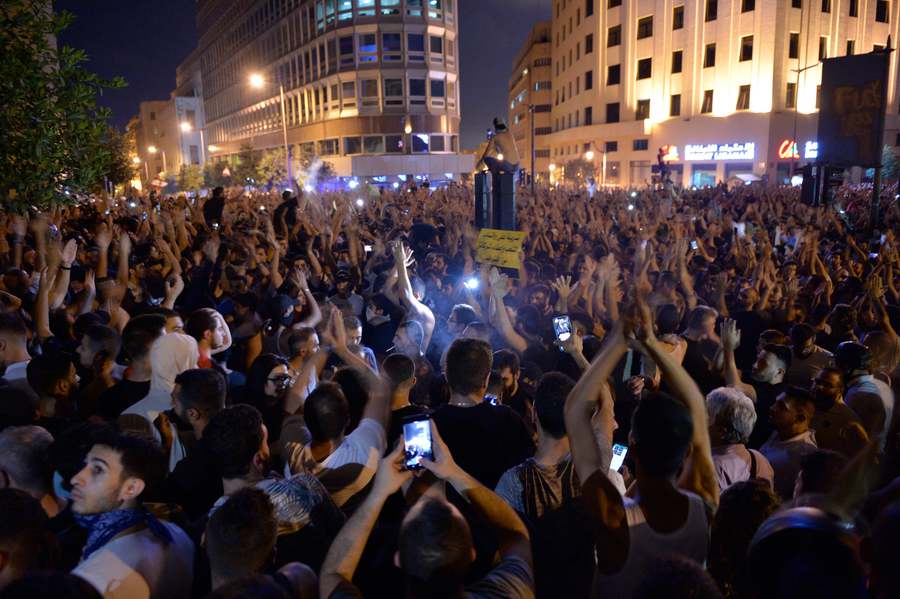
257	81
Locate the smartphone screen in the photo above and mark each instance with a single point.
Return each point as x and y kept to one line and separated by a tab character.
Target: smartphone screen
492	399
562	326
741	229
619	453
417	443
694	245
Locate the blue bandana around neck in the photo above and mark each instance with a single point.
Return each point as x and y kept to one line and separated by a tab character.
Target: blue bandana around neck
102	528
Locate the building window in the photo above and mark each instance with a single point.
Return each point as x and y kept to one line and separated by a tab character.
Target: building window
644	68
393	92
707	105
611	146
352	145
790	99
818	96
589	80
366	8
826	5
589	116
675	105
796	3
391	47
613	3
392	7
709	57
748	5
373	145
420	143
645	27
794	45
746	48
612	112
643	110
588	8
152	116
437	88
415	47
640	145
368	48
881	11
823	47
614	36
677	17
613	74
743	100
417	87
854	8
437	45
589	43
677	57
712	10
851	46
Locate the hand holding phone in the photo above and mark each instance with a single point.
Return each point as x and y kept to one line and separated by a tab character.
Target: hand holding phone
417	443
562	326
619	453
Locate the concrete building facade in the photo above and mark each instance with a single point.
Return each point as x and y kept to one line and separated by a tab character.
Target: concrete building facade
530	99
167	135
723	87
371	86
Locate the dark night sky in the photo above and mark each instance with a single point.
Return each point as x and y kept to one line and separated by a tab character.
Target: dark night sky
144	40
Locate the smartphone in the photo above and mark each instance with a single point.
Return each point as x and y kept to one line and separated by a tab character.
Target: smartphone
417	443
492	399
694	245
873	256
562	326
367	248
618	458
741	229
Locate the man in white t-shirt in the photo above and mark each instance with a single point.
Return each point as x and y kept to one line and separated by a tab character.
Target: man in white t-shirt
129	553
14	355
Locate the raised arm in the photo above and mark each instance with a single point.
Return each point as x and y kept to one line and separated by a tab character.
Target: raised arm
419	311
498	292
731	339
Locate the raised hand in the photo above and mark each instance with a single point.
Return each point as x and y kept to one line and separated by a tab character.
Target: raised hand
69	252
731	335
391	474
103	237
563	286
174	286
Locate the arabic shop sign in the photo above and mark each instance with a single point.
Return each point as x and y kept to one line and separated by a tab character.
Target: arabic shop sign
733	151
787	150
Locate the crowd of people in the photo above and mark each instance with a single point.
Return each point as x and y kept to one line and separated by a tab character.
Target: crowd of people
206	397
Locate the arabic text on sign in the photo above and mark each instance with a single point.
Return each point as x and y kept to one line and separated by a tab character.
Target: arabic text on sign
735	151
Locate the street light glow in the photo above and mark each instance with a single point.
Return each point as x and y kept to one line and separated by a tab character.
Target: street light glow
135	160
185	126
212	148
552	167
257	80
589	155
151	149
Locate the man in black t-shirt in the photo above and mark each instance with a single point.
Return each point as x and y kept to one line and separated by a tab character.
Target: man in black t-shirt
485	439
516	396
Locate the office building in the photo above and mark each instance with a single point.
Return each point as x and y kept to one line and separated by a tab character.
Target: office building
168	134
369	86
725	87
530	100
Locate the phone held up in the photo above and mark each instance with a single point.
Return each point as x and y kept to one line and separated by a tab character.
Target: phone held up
618	458
562	327
417	442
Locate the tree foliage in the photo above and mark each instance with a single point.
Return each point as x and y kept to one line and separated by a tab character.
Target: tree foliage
190	177
271	170
579	170
244	169
120	168
55	137
213	174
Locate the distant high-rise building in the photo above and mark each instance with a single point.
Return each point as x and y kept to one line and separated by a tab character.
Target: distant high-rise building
370	86
724	87
530	98
168	134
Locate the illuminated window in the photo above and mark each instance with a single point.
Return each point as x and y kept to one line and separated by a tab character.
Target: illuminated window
677	56
678	17
614	36
390	7
794	45
645	27
366	8
707	105
881	11
642	111
709	57
644	68
613	74
743	100
414	8
712	10
746	48
790	100
368	47
675	105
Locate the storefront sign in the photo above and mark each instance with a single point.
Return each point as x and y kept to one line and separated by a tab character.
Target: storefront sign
811	150
788	150
736	151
